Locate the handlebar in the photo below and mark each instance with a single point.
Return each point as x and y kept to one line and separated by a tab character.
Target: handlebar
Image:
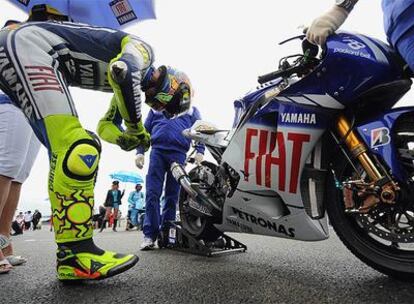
279	73
310	51
268	77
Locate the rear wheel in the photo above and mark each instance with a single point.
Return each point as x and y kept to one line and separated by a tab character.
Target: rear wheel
383	238
200	227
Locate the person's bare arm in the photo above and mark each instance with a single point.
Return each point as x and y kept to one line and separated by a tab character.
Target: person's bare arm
329	22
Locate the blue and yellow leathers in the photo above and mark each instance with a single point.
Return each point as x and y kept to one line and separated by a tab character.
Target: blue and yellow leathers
168	146
38	61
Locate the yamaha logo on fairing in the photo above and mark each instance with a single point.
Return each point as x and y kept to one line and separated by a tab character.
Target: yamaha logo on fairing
299	118
258	221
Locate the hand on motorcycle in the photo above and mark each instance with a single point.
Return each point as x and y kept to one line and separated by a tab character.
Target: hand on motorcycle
325	25
135	135
140	161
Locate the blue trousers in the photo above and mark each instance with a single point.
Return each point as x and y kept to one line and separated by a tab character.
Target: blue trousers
159	169
405	47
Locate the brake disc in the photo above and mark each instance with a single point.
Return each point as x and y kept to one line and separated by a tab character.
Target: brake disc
388	224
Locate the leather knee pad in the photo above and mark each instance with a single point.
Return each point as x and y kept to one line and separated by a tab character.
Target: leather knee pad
81	159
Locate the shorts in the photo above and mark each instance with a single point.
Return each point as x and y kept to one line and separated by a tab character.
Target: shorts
18	144
115	205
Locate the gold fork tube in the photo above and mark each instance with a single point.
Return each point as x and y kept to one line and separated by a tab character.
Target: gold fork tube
357	148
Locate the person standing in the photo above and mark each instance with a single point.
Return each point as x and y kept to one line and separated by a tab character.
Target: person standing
18	150
168	145
136	206
112	201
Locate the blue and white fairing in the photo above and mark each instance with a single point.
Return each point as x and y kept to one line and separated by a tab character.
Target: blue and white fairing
351	64
273	144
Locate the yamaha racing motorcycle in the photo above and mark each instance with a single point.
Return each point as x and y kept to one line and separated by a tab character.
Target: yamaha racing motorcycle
318	138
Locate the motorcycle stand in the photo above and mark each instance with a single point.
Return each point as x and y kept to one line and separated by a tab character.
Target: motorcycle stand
186	243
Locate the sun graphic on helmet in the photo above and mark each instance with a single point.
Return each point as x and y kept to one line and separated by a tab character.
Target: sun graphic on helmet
75	213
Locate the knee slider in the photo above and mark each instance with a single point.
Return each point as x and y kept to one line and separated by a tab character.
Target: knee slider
119	71
81	160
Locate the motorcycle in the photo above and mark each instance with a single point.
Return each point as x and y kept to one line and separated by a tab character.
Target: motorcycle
317	139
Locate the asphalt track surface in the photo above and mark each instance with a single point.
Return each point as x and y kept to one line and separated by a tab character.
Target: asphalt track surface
271	271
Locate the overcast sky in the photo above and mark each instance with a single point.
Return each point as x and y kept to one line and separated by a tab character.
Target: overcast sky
223	45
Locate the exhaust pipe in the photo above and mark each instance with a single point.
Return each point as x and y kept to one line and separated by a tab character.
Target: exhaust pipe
183	179
192	189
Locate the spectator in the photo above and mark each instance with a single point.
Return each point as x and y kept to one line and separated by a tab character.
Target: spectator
168	145
99	217
28	218
136	208
18	150
36	219
112	201
18	224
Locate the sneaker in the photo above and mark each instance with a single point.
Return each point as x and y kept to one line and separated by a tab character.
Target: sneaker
91	266
147	244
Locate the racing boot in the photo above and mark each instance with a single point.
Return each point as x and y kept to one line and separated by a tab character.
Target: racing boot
83	260
74	156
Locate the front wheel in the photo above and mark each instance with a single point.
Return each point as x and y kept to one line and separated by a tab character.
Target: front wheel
383	238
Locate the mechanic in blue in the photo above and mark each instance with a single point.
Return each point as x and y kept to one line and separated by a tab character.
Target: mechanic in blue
168	145
38	62
398	24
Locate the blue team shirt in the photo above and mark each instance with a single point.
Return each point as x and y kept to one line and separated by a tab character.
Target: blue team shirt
398	18
166	134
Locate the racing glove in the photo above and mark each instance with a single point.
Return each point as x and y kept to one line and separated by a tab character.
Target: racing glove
140	161
326	25
134	136
110	130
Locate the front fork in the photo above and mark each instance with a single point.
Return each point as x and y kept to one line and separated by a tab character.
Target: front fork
379	188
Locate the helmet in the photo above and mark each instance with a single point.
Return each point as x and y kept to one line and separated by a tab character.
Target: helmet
169	91
44	12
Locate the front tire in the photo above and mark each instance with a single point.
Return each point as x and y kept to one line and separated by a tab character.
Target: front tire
386	257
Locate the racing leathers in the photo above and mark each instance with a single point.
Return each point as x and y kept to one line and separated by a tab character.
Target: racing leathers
38	61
